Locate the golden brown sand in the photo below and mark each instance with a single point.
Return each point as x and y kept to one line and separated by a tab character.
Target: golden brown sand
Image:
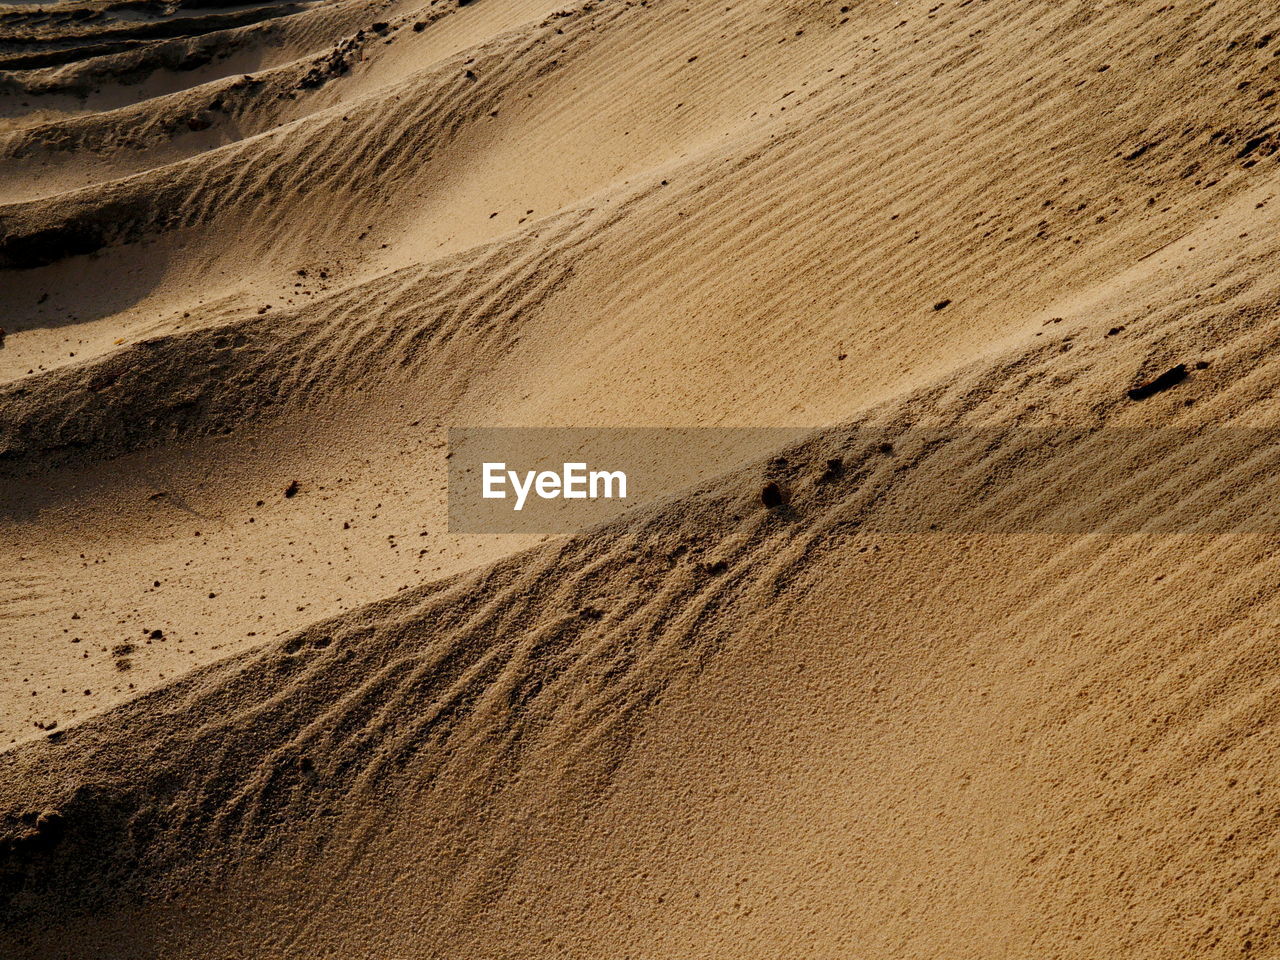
243	245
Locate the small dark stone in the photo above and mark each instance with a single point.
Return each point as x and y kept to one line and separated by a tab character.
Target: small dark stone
1170	378
771	495
292	489
942	304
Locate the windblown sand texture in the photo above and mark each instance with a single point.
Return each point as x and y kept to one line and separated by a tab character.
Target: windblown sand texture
243	245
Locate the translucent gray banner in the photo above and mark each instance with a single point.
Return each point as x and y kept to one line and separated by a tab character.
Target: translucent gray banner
909	480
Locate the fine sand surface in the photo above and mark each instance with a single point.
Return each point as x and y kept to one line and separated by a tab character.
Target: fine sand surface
244	246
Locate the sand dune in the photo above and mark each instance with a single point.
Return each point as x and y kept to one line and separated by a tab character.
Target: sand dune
247	245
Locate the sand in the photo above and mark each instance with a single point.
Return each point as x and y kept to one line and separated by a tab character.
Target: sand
250	250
